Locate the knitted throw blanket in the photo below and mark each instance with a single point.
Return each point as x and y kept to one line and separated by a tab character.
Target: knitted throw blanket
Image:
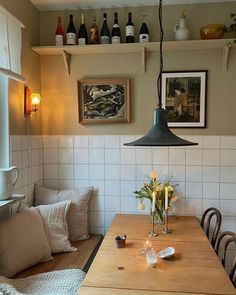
62	282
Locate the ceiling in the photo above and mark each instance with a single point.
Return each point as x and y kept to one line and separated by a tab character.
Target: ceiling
95	4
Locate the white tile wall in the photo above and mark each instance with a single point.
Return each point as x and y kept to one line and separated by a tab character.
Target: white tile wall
205	174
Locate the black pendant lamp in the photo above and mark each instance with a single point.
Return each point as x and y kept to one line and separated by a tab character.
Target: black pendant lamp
160	134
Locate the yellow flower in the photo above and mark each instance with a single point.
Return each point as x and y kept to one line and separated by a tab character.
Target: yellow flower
174	198
153	175
158	188
170	188
144	183
141	206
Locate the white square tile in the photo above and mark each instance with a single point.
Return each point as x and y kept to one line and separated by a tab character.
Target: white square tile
228	223
66	184
66	142
127	156
128	172
51	156
35	174
81	142
66	156
176	156
211	173
211	157
25	159
179	207
24	142
96	142
35	157
112	204
109	216
180	189
112	142
96	156
228	142
25	176
98	187
228	157
52	184
66	171
50	142
128	205
41	158
112	172
112	188
193	157
196	139
81	171
15	143
177	173
78	183
227	191
193	190
112	156
211	190
51	171
126	139
162	172
228	174
193	173
228	207
211	142
16	159
81	156
97	203
194	206
143	156
97	230
160	156
36	142
96	172
142	172
207	203
96	218
127	188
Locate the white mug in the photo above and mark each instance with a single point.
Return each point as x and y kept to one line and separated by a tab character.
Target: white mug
8	178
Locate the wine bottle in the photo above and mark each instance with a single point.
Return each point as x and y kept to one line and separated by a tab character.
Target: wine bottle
115	34
144	32
59	35
71	32
129	29
82	34
105	34
93	34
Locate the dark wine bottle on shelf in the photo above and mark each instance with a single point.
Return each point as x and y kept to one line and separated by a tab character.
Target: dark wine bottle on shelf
59	35
93	34
71	32
144	32
105	34
129	29
115	34
82	34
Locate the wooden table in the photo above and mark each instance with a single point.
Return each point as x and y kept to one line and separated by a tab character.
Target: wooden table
194	269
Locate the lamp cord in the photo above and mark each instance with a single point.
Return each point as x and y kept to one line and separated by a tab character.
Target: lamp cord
161	55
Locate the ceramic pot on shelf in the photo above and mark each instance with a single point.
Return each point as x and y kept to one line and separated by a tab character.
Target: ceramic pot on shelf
8	178
181	31
213	31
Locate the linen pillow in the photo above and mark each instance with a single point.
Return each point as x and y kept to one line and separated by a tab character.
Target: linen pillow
77	218
55	225
23	242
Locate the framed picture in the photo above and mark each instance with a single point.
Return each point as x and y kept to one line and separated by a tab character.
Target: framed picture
184	98
104	101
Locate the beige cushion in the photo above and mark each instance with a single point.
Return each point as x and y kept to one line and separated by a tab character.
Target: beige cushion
55	224
23	242
77	218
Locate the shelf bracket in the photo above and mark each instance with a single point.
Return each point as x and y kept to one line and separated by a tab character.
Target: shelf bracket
144	59
226	51
66	58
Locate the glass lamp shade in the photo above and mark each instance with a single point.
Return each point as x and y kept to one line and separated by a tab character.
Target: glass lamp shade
160	134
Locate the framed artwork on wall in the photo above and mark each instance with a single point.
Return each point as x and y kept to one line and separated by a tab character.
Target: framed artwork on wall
104	101
184	98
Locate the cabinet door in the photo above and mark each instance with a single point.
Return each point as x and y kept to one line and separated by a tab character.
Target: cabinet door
4	50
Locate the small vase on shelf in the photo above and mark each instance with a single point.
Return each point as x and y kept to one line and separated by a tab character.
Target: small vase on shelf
181	31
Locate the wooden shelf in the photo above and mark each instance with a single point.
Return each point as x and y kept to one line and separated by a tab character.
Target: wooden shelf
67	51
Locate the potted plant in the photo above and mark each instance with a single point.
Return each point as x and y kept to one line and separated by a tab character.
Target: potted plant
231	30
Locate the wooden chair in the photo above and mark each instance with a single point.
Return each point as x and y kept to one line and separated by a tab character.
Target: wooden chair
230	237
206	222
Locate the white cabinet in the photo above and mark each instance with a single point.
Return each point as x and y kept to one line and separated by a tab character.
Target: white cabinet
4	49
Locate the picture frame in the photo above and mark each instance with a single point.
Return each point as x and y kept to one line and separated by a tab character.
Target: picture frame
102	101
184	95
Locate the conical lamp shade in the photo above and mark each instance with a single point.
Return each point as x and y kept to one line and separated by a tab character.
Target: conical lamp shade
160	134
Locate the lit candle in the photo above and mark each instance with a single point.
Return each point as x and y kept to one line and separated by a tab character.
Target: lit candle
166	197
153	201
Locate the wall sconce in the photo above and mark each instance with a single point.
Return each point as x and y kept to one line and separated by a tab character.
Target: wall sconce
32	101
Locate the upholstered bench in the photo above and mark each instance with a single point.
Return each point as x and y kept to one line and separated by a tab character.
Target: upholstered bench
81	259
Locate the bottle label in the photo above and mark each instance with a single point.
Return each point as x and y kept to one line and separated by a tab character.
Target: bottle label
129	30
143	38
71	38
105	40
115	40
81	41
93	36
59	40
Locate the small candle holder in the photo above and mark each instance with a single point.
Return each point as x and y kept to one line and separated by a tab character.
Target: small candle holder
166	230
152	233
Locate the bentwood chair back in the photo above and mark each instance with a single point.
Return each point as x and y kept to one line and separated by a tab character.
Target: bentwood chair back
211	226
224	240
